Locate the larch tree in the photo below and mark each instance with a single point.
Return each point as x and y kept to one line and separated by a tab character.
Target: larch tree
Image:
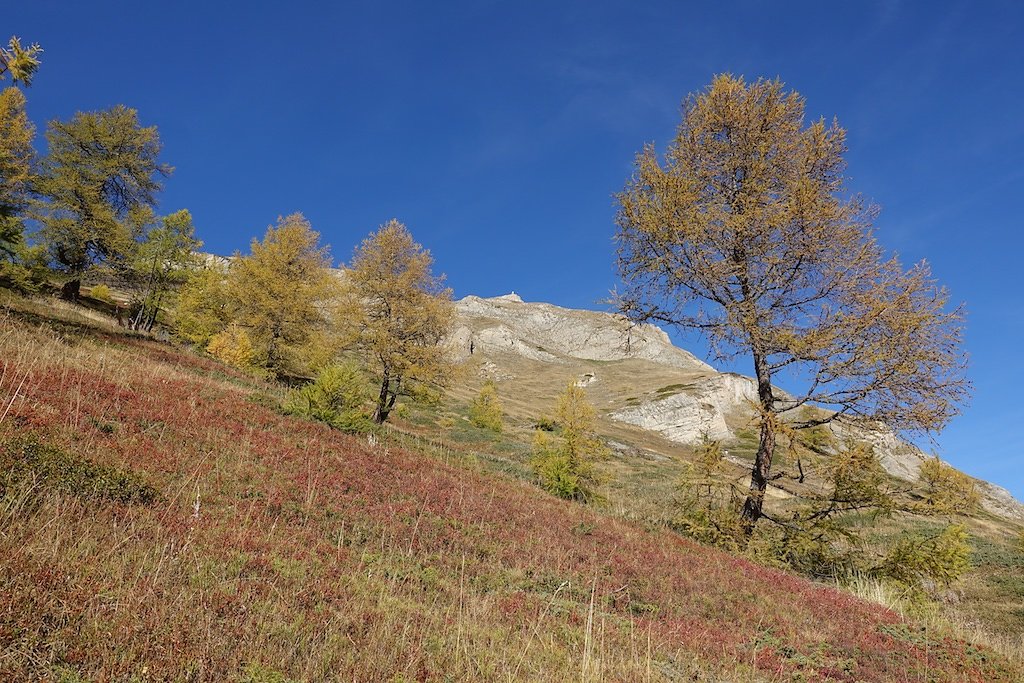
201	310
746	233
398	315
16	164
160	262
280	294
485	410
98	181
20	62
565	466
20	264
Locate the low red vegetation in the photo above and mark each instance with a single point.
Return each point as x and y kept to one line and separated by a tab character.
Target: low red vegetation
281	545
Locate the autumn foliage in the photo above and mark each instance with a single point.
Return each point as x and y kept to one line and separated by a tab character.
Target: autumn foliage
745	231
396	314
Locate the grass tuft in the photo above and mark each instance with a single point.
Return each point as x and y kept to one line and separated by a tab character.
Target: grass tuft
26	462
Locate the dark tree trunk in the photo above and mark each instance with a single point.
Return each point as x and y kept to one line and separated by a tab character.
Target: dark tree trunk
71	290
151	320
759	474
380	413
388	397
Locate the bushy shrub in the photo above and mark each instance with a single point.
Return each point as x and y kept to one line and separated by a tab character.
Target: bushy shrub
821	550
708	509
719	526
233	346
918	558
557	472
101	292
485	411
946	489
27	271
338	396
27	462
564	464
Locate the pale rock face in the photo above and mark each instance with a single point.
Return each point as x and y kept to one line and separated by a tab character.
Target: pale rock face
999	501
699	408
501	339
543	332
896	456
458	342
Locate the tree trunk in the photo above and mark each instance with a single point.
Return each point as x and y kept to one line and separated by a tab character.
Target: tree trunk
380	413
151	321
754	505
136	322
71	289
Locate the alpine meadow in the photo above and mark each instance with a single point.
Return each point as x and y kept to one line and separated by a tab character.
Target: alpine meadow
306	429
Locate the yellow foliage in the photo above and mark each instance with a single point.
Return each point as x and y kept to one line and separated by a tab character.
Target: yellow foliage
565	466
947	490
201	311
233	346
398	315
485	411
16	153
281	294
101	293
943	557
745	231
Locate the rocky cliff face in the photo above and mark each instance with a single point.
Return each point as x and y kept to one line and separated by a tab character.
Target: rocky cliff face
552	334
636	376
698	408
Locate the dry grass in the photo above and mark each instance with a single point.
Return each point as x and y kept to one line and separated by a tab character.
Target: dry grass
281	550
948	622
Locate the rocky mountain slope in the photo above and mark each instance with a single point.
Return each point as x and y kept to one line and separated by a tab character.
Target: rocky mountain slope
636	377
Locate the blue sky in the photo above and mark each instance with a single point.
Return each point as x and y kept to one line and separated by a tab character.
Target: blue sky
498	132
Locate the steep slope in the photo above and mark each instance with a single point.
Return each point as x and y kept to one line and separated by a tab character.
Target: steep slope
636	376
277	549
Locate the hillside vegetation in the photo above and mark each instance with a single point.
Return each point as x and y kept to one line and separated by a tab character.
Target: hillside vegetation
162	519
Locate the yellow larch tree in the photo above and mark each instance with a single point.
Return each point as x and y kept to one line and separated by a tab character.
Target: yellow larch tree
746	233
397	315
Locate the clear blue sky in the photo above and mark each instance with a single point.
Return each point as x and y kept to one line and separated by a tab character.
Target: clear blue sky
498	132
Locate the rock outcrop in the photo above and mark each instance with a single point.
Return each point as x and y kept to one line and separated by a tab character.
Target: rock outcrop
552	334
686	413
643	379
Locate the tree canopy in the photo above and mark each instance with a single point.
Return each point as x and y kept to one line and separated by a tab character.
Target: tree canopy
565	465
485	410
746	233
20	62
398	315
102	168
16	165
158	263
280	293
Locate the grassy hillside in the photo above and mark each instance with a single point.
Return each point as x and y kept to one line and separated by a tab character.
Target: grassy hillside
161	520
645	468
